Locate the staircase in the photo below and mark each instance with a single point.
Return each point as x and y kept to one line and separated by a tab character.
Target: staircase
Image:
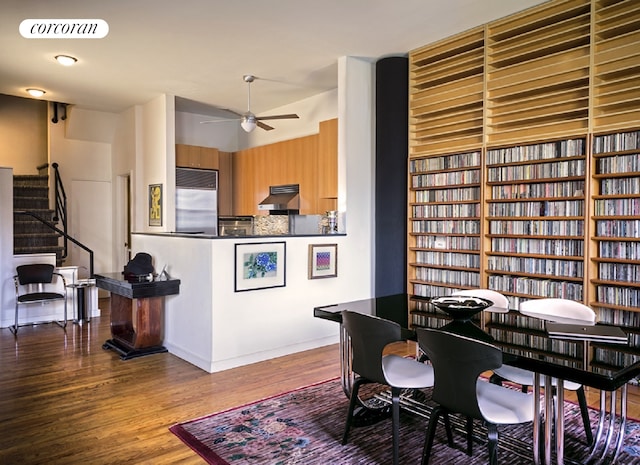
31	193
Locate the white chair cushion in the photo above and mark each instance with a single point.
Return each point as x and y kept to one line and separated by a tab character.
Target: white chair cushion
559	310
525	377
500	405
406	373
500	302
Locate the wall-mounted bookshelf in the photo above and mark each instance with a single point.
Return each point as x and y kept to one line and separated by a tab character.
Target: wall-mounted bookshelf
444	225
550	100
616	225
615	70
446	82
538	73
535	213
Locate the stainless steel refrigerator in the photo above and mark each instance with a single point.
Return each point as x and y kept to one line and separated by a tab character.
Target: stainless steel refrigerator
197	201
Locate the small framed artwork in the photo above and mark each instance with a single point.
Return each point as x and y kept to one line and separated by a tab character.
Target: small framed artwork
260	265
155	204
323	261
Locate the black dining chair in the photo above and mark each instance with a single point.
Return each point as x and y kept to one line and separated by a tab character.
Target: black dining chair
458	361
35	284
369	335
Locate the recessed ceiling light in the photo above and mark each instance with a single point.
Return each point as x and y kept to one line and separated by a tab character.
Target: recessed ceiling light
36	92
66	60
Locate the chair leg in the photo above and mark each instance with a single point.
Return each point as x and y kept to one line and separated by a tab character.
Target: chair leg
469	436
492	436
584	410
14	329
447	428
352	405
64	322
395	415
430	434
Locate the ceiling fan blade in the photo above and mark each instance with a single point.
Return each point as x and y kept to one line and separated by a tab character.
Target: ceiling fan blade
289	116
223	120
264	126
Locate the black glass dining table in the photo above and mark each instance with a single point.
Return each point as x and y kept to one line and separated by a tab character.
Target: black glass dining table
604	365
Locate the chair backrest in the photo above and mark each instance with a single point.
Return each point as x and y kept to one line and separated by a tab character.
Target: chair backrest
35	273
369	335
558	310
500	302
457	362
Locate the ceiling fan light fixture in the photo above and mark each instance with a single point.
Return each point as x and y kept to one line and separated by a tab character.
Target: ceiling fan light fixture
66	60
36	92
248	123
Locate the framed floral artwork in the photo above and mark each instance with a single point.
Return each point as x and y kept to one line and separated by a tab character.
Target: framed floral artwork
260	265
323	261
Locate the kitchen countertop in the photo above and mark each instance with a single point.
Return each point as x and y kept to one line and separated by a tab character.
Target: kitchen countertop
253	236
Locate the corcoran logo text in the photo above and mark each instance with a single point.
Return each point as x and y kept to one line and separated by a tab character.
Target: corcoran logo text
64	28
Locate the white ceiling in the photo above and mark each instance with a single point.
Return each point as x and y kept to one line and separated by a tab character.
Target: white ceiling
200	49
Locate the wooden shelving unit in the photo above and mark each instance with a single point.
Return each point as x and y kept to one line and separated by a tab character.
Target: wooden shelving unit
536	220
444	208
543	96
446	91
538	73
616	68
615	271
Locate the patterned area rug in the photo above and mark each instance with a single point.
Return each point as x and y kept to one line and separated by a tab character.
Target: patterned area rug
305	426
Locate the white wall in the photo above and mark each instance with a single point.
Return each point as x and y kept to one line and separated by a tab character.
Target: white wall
311	111
23	133
223	134
84	163
157	166
123	166
7	291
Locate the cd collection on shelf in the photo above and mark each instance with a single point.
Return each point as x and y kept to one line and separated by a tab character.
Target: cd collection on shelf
542	138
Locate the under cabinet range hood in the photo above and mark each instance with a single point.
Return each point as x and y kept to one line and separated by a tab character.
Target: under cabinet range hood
284	199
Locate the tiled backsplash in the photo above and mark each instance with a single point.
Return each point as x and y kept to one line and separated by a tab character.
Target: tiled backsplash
266	225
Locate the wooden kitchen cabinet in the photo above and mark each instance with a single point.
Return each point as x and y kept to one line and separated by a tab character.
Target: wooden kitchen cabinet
292	161
193	156
328	166
225	184
243	183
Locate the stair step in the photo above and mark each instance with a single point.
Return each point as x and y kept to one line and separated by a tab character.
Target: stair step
34	180
34	249
30	203
25	240
31	191
32	227
43	213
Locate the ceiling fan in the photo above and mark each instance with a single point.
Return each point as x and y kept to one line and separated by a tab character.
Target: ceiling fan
248	120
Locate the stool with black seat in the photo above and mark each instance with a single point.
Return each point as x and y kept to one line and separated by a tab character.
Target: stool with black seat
458	361
35	283
369	335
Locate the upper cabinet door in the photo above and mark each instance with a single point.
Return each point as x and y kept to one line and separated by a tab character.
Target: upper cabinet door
193	156
328	166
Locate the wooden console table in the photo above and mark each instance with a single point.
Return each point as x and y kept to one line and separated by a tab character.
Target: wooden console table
136	314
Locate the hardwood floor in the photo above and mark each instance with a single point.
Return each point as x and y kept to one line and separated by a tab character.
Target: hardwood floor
65	400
